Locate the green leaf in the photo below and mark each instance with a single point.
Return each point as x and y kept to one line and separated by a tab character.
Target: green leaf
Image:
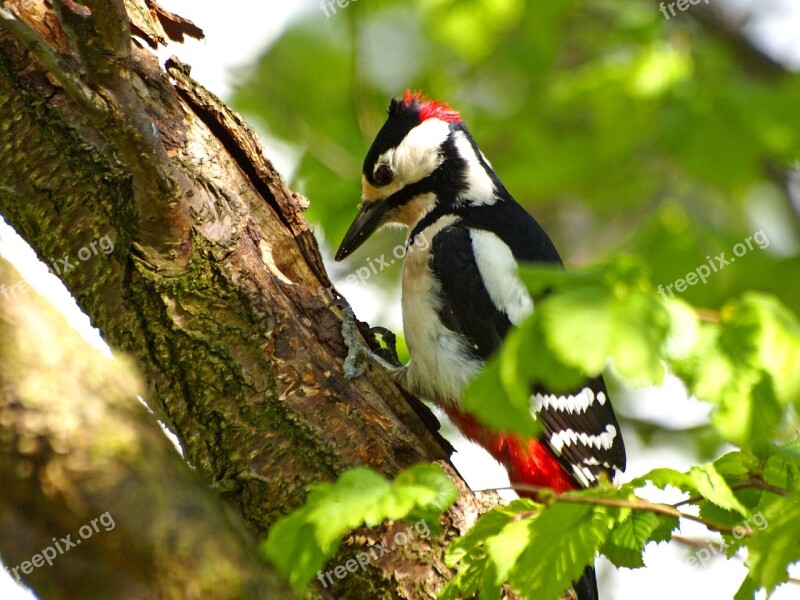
490	524
601	314
469	579
499	407
546	568
744	366
626	544
713	487
771	551
505	548
782	469
663	478
489	536
776	341
748	590
702	481
735	465
300	543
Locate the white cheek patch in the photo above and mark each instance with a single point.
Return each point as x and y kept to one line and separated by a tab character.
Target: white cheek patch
419	154
498	269
480	188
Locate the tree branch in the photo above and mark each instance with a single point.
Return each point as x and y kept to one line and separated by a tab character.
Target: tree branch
100	32
637	504
83	95
82	461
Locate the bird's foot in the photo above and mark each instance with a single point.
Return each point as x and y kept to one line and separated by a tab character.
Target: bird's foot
359	354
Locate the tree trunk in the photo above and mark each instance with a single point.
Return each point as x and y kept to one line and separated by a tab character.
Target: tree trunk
212	287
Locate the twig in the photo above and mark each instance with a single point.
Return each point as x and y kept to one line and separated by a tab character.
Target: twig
707	315
638	504
755	483
89	101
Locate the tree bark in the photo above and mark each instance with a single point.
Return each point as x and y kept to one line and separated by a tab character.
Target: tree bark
97	503
214	288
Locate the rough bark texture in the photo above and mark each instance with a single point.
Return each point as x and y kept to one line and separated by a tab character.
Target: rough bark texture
213	283
91	484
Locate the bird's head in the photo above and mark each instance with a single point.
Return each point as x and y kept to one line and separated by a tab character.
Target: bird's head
422	156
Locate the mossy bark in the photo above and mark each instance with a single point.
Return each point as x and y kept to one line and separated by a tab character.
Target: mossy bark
96	502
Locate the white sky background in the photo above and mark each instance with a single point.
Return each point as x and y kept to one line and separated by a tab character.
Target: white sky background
233	40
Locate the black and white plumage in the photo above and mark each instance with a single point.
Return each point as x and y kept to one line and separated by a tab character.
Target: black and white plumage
461	292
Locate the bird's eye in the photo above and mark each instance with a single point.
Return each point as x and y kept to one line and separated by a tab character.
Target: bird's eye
383	174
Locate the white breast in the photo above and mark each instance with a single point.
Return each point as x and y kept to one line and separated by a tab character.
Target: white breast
441	363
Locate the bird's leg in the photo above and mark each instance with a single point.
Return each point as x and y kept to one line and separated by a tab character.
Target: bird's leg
358	353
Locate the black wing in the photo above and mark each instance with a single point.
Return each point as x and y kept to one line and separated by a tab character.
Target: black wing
580	428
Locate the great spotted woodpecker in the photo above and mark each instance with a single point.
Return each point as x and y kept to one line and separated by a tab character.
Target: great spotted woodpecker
461	293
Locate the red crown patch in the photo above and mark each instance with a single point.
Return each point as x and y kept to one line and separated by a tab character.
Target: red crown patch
431	109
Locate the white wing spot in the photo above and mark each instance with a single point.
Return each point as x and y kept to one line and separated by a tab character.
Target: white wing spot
583	475
579	403
498	269
567	437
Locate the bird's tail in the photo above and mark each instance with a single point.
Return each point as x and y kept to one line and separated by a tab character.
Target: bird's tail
586	587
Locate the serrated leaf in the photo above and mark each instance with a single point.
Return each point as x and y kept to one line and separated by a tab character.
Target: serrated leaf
627	541
735	465
564	539
782	467
488	525
300	543
747	410
468	580
505	548
713	487
605	314
771	551
665	477
703	480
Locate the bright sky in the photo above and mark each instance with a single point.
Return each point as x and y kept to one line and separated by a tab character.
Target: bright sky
233	40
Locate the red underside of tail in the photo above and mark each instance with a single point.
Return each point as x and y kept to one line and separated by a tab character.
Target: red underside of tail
528	461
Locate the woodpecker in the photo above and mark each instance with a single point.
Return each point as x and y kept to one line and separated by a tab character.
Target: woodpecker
461	294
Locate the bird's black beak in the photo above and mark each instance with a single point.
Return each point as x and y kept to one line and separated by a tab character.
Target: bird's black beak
366	222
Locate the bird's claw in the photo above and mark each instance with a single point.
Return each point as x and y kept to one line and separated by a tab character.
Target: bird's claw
389	351
358	353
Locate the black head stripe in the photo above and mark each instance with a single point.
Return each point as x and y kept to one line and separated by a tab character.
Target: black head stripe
402	119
